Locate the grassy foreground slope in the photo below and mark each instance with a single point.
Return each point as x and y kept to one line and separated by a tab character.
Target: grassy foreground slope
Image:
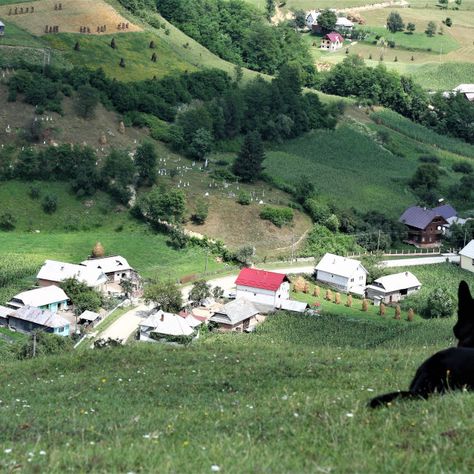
290	398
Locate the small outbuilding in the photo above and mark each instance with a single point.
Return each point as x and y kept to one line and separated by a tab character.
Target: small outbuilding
342	273
89	317
393	288
467	257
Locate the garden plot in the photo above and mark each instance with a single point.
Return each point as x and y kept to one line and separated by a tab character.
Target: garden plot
88	16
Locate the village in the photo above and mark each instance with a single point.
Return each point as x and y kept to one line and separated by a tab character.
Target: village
244	303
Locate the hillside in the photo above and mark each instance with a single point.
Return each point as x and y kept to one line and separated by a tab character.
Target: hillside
289	398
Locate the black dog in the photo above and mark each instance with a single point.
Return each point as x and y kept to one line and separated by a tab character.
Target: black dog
450	369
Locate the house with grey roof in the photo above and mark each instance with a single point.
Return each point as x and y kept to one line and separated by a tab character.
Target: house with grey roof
392	288
425	227
467	257
238	315
4	314
161	325
29	318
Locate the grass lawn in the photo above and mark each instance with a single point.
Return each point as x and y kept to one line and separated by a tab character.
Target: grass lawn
289	398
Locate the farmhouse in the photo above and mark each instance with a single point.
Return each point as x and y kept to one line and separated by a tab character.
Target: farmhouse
332	41
28	319
393	288
345	274
343	25
238	315
425	227
50	298
467	257
311	18
162	325
260	286
116	268
53	272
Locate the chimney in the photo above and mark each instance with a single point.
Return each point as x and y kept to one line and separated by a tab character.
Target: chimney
162	317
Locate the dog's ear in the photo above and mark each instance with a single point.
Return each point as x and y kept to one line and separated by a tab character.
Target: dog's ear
464	328
465	309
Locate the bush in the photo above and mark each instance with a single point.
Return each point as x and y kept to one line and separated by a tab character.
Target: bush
34	192
7	221
277	215
462	167
243	198
439	304
201	212
429	159
50	203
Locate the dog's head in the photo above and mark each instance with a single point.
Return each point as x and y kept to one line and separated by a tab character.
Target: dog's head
464	328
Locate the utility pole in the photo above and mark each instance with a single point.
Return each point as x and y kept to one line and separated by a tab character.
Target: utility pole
378	242
34	344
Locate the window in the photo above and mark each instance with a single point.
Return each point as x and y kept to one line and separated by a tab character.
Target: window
352	279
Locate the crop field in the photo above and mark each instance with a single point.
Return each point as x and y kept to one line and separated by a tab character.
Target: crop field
422	134
292	396
347	162
73	15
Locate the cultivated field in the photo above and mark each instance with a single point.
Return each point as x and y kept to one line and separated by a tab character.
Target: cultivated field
73	15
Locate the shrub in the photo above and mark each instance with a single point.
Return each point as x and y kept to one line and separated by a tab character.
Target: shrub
50	203
277	215
243	198
7	221
34	192
439	304
201	212
429	159
462	167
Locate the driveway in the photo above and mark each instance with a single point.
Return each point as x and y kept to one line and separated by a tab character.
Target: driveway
127	324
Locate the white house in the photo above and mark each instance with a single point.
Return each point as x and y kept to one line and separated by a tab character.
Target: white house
260	286
164	324
342	273
343	24
332	41
467	90
53	272
49	298
311	18
393	288
467	257
115	268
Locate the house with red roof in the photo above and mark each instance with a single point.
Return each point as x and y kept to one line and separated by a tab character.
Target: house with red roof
260	286
332	41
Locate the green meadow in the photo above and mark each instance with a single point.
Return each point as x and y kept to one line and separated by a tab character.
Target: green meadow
289	398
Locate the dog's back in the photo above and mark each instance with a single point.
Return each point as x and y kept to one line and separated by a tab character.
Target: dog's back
449	369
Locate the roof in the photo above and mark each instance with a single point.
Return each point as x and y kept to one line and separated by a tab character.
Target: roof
167	323
464	88
5	312
235	312
55	271
296	306
419	217
396	282
446	210
1	23
468	250
42	296
342	21
108	264
337	265
38	316
89	315
260	279
334	36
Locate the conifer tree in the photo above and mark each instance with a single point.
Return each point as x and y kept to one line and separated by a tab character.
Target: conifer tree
248	164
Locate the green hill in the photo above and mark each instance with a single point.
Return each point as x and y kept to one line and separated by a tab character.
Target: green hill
289	398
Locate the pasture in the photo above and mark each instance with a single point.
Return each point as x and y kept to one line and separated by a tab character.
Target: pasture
291	397
73	15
